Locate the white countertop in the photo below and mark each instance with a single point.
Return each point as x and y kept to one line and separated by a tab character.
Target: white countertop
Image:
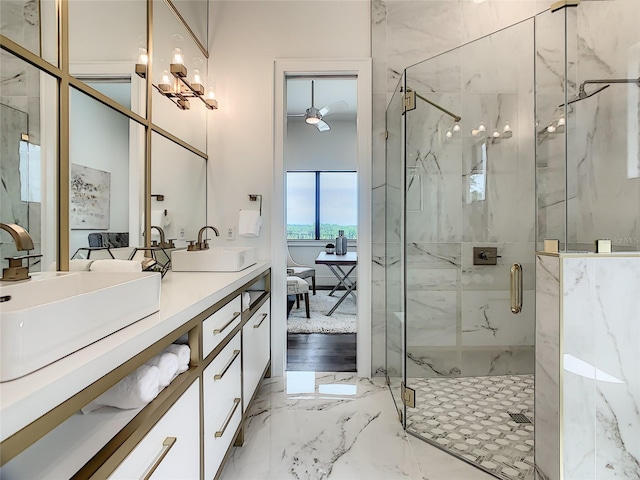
183	296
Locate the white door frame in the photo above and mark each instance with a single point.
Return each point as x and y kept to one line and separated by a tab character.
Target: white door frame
361	68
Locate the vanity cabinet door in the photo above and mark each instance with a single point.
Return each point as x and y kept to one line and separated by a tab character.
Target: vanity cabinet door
171	449
256	351
216	327
222	409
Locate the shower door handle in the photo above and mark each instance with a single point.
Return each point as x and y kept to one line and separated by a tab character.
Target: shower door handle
516	288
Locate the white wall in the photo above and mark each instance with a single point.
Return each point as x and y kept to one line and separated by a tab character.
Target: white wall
245	39
100	139
308	149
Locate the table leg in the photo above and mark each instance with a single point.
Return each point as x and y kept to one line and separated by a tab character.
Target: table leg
351	287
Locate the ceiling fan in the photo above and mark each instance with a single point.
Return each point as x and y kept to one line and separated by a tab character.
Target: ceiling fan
315	116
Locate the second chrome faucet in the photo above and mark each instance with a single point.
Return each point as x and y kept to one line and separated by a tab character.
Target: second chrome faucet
201	243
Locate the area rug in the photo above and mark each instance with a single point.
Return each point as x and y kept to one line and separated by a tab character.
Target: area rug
343	319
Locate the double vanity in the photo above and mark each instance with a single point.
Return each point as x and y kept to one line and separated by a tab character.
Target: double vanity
190	427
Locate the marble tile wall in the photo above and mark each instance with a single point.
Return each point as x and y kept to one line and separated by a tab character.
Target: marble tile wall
455	310
601	327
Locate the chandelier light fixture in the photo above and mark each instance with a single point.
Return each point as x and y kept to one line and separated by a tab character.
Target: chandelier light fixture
174	83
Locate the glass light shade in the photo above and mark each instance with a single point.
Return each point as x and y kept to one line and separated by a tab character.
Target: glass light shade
551	128
456	127
177	57
561	121
166	78
196	77
449	134
495	134
143	57
211	95
482	128
312	120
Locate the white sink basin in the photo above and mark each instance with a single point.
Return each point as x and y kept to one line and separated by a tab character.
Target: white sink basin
55	314
215	259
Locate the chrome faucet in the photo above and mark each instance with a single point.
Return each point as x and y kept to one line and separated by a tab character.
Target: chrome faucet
23	242
163	243
202	244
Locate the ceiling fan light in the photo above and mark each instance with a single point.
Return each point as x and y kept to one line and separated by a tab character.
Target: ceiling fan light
312	116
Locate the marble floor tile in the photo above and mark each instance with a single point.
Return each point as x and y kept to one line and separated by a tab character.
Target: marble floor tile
310	425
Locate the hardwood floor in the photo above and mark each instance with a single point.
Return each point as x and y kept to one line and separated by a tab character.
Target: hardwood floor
321	352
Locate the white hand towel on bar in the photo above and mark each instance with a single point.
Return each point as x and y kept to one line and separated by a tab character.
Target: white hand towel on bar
115	266
133	391
246	301
183	352
249	223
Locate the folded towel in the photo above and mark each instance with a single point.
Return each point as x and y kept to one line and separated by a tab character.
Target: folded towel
79	264
116	266
133	391
183	353
249	223
167	363
246	301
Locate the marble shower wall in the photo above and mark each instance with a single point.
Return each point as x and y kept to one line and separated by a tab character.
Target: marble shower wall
458	318
600	144
405	32
588	376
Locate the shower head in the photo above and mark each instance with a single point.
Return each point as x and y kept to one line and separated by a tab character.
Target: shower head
582	94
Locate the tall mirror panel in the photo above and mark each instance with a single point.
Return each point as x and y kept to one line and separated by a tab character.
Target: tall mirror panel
32	24
106	154
179	69
108	44
179	189
28	146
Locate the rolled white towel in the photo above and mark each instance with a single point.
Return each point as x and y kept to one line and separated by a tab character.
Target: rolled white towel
167	362
246	301
183	352
133	391
116	266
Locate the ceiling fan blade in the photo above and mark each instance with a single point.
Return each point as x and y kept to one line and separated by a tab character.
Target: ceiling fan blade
323	126
333	107
296	114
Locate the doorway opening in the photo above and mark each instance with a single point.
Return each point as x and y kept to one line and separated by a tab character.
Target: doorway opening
321	204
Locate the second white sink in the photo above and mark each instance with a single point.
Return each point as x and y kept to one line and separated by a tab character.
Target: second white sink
55	314
215	259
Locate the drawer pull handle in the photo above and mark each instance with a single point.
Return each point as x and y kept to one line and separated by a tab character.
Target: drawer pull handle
224	327
226	367
236	402
264	315
167	445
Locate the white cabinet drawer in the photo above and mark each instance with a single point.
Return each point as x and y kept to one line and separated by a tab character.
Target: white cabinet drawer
255	350
219	325
222	404
172	446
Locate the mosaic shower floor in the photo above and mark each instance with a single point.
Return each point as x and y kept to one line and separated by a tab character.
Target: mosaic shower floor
470	418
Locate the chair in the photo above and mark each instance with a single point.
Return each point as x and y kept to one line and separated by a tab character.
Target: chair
296	286
301	271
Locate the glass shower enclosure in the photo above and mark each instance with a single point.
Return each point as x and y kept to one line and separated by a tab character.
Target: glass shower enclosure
460	234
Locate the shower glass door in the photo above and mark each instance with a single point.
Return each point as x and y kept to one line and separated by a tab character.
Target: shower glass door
394	245
469	214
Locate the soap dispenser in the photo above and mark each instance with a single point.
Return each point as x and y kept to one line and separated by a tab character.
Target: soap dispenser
341	243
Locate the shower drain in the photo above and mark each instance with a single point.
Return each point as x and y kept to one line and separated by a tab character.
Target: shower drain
519	418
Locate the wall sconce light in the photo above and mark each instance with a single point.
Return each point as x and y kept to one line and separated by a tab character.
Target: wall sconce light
173	82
